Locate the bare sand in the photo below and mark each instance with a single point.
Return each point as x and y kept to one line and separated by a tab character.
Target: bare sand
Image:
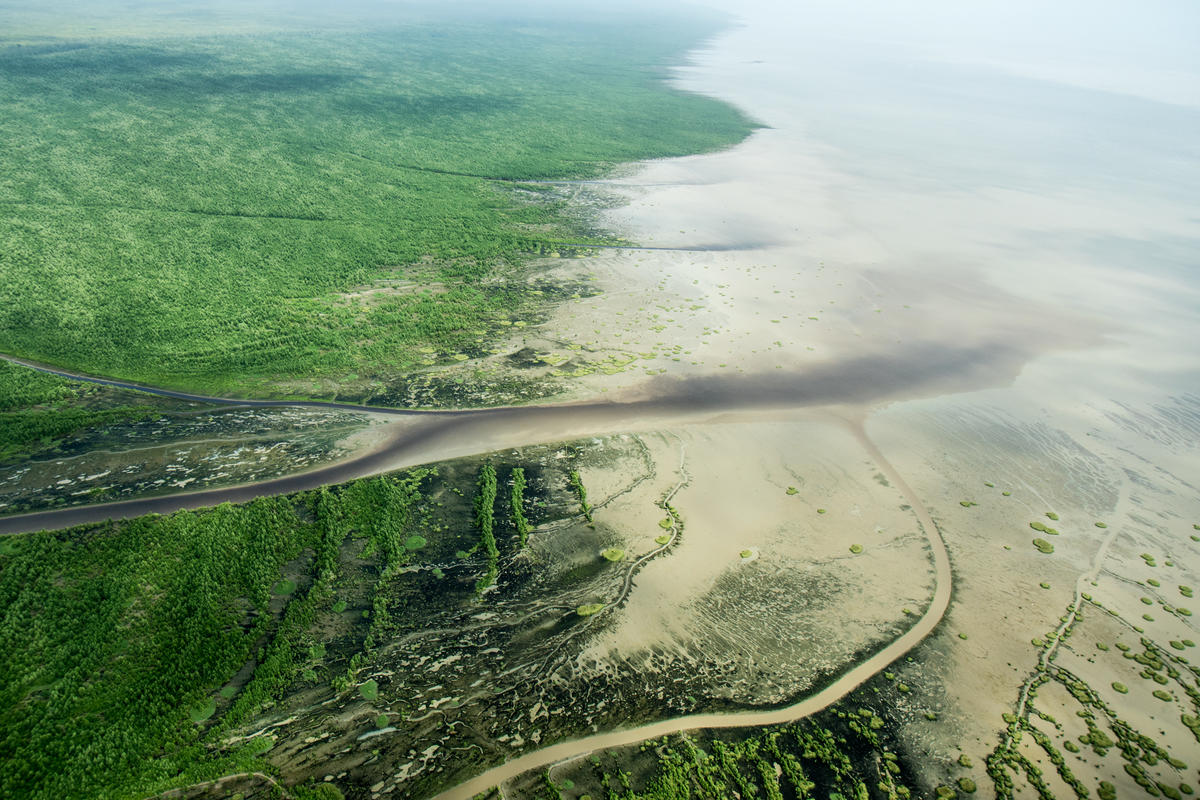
824	602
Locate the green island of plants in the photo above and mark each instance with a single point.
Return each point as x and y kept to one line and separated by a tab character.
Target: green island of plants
580	492
516	501
485	515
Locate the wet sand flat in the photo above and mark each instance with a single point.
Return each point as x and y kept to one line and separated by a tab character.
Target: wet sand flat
918	191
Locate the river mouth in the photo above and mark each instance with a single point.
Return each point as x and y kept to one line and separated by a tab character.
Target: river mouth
986	293
852	387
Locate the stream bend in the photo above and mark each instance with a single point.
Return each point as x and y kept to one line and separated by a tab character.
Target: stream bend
841	686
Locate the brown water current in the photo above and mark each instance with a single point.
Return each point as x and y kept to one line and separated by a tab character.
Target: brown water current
422	437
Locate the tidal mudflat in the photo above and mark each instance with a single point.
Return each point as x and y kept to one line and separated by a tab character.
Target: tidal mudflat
927	194
870	469
674	574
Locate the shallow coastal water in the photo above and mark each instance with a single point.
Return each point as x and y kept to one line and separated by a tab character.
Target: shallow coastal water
909	189
988	180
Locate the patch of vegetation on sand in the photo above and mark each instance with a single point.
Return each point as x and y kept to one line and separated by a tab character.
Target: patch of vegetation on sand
613	554
1043	546
588	609
1145	760
516	501
839	754
485	515
581	493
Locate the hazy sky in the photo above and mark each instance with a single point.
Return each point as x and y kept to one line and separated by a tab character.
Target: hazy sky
1144	47
1149	47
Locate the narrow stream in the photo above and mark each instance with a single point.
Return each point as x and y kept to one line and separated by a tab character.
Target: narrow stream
843	685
